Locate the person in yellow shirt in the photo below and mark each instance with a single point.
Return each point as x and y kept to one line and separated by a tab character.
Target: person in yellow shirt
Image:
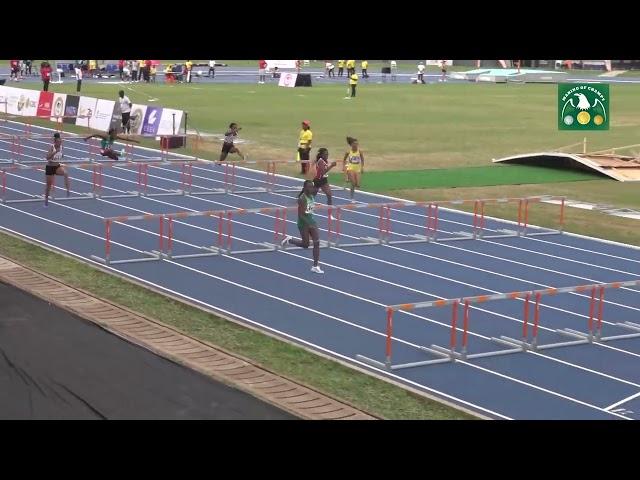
340	67
353	82
189	65
351	67
365	65
168	74
353	163
304	145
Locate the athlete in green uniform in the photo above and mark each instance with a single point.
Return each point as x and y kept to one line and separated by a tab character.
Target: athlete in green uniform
307	224
106	144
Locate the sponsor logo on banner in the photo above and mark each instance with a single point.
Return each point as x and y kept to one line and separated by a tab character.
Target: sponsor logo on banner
288	80
71	109
104	113
12	97
59	99
167	125
45	104
151	121
583	106
137	117
86	111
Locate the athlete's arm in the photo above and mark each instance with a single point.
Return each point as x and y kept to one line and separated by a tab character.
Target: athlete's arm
362	161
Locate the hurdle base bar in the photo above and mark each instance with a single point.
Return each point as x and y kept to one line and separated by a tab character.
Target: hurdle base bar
448	352
210	252
171	193
541	234
216	191
40	198
152	258
373	363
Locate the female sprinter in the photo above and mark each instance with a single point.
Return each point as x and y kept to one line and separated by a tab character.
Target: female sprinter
106	144
307	225
354	164
54	167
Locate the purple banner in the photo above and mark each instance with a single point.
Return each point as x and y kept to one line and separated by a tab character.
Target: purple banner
151	121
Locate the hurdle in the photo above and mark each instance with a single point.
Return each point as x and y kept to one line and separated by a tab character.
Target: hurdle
529	341
334	228
97	182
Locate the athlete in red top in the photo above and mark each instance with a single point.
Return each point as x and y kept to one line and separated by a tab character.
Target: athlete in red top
321	178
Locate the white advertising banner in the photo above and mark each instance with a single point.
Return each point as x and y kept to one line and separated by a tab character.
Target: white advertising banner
281	64
102	118
166	122
288	80
86	111
439	62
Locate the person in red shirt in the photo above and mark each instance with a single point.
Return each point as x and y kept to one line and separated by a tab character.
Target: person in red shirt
321	177
15	68
121	69
45	73
262	67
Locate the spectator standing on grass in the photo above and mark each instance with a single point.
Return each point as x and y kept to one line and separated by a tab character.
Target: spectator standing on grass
134	70
340	67
353	82
78	70
152	73
262	66
365	66
332	69
212	69
189	67
28	64
351	67
14	66
421	72
45	74
304	145
121	68
125	109
443	67
147	71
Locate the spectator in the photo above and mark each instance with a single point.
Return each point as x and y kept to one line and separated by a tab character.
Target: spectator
153	73
125	109
340	67
351	67
189	68
365	65
304	145
353	81
93	67
443	66
212	69
147	71
15	68
262	65
28	64
168	74
134	70
78	70
276	74
332	72
421	72
45	74
121	68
